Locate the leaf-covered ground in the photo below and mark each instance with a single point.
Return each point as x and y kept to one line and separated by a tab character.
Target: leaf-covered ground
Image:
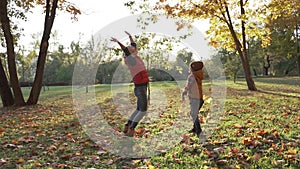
257	130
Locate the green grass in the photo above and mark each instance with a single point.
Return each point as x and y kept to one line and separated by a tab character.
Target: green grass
257	129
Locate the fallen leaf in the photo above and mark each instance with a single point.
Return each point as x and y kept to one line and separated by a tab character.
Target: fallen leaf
252	104
291	152
256	157
20	160
151	167
237	126
221	162
2	129
3	161
262	132
37	164
14	142
136	161
139	131
110	162
234	150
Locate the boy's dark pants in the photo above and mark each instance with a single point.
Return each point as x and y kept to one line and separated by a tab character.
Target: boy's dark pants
140	91
195	105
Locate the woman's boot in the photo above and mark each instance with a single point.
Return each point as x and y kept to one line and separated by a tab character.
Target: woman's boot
130	132
126	127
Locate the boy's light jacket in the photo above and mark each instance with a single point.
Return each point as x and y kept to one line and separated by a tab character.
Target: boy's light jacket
193	86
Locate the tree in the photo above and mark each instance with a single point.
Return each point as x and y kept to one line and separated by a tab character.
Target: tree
231	63
5	13
183	60
38	80
237	19
25	64
282	52
6	94
5	25
284	18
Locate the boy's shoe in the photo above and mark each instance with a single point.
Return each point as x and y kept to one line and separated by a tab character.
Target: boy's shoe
202	137
130	132
192	130
199	132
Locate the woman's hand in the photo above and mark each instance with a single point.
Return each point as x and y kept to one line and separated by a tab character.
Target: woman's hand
127	33
114	39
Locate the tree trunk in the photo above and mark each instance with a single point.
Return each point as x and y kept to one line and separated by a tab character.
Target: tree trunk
242	49
246	65
254	71
38	80
298	48
5	92
298	60
234	77
18	96
249	80
266	67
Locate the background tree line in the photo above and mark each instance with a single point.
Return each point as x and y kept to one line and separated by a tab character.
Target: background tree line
250	34
61	61
252	38
270	61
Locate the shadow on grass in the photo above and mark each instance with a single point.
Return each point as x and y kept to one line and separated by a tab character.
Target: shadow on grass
280	80
279	94
239	92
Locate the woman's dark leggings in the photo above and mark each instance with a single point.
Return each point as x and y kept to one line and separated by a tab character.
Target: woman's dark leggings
140	91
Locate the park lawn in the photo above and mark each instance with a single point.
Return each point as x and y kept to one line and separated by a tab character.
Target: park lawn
257	130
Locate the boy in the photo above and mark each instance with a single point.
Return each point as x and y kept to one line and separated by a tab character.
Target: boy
193	89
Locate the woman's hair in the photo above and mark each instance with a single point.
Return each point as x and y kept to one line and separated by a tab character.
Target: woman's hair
131	49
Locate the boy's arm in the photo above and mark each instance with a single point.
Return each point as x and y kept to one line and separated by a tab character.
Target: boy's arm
187	86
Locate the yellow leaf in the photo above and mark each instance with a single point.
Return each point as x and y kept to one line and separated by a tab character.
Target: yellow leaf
69	135
237	126
20	160
292	152
237	167
209	100
214	44
151	167
136	161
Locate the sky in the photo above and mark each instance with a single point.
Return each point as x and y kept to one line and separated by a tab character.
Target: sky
96	14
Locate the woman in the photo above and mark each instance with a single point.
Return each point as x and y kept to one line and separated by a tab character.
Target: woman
140	78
